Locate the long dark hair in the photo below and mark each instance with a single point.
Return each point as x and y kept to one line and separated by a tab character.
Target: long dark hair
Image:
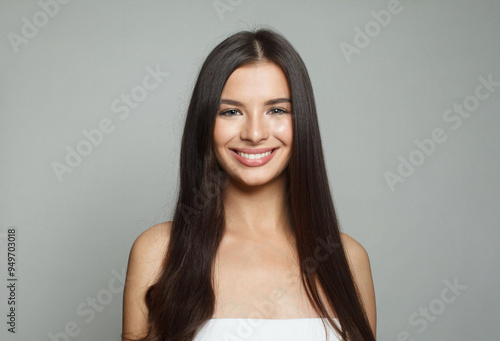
183	299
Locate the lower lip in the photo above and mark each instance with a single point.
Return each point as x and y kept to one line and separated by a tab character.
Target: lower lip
254	162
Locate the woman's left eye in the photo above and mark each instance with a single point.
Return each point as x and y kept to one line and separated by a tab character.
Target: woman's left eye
278	111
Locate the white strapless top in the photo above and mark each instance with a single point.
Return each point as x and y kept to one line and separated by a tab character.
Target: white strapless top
239	329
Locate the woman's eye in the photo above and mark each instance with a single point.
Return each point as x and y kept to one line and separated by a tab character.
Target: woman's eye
278	111
230	112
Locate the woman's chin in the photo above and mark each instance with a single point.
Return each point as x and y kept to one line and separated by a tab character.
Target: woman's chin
254	181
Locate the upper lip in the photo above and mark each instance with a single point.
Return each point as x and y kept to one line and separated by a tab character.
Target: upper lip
253	151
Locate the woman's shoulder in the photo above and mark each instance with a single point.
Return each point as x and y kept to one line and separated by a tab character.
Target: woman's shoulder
359	263
355	251
357	257
148	252
155	237
144	266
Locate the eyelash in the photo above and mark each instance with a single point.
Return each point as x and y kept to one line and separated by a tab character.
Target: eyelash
283	111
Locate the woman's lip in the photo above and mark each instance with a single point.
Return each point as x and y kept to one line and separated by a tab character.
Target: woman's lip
253	151
254	162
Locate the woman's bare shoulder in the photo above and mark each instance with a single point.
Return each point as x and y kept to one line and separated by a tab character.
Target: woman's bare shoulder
148	252
358	259
156	237
355	251
359	263
144	266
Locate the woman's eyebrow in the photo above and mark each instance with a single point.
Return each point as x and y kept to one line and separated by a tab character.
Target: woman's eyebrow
278	100
231	102
270	102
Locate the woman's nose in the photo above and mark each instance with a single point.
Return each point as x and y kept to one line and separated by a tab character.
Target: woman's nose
256	127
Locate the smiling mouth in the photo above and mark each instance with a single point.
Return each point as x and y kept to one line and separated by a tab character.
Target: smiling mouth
254	156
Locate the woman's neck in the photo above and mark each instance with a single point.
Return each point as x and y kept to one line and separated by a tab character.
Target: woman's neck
258	212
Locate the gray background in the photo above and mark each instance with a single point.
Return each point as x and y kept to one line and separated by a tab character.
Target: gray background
74	235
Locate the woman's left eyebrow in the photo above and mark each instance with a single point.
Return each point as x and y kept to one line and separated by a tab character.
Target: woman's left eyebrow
278	100
269	102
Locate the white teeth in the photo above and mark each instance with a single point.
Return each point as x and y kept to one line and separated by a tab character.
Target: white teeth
253	156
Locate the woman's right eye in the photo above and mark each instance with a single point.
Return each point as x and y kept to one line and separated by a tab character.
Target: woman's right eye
230	112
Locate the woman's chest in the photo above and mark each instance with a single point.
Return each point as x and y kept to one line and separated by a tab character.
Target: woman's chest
259	281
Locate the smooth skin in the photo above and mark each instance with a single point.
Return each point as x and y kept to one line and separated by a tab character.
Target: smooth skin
256	258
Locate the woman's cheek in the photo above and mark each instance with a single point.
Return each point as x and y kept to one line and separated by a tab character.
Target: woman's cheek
283	128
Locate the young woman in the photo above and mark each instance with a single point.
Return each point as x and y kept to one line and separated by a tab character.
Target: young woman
254	250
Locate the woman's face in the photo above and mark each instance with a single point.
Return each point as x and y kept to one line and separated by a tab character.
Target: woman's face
253	131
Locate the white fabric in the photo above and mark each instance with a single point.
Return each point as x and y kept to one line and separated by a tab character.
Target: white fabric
238	329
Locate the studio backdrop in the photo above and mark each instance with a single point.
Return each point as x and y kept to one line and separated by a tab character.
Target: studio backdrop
93	96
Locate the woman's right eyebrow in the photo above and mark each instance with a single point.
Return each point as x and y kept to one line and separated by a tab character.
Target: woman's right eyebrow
231	102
